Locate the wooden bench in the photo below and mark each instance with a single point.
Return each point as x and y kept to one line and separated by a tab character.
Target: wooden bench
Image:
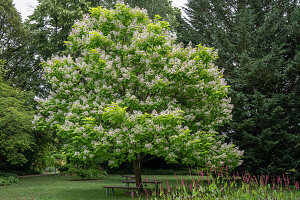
131	177
132	189
145	182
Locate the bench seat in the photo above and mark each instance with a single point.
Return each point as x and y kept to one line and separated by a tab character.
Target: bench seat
121	187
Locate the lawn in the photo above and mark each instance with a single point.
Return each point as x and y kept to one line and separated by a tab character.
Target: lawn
58	187
52	187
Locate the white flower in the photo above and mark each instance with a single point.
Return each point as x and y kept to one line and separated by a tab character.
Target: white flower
95	143
111	162
148	146
85	135
171	155
111	132
99	128
118	142
240	162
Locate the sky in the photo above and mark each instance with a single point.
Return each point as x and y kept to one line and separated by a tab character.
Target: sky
26	7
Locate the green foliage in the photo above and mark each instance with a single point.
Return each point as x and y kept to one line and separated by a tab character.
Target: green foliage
51	23
20	146
49	169
2	69
84	173
258	43
11	31
64	168
48	27
162	8
15	126
8	179
225	188
14	50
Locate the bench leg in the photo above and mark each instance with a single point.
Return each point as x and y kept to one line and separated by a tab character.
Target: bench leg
112	191
106	191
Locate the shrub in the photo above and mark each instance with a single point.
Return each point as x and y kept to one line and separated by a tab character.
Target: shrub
49	169
169	172
8	178
63	169
90	173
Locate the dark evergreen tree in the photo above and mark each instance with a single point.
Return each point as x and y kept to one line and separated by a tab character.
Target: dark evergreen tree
14	49
259	48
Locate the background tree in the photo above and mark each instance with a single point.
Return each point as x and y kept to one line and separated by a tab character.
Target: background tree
162	8
14	50
21	148
258	43
11	32
129	91
51	23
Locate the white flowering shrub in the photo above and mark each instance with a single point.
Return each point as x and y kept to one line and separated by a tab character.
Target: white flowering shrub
127	90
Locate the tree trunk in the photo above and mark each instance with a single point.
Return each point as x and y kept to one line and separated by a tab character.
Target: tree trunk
137	172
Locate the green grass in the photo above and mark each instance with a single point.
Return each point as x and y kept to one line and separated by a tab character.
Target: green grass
55	187
60	187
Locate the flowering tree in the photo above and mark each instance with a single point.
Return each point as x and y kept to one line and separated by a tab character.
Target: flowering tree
126	90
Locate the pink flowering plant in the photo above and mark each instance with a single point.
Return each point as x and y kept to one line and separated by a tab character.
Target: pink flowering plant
125	89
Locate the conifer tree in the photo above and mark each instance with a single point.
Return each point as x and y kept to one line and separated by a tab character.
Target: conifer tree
258	43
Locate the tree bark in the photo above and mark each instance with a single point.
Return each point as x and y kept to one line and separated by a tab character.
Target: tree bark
137	172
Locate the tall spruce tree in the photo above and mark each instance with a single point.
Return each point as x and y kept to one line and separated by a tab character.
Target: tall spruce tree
259	48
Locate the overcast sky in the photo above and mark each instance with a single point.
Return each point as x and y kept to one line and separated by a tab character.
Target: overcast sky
26	7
